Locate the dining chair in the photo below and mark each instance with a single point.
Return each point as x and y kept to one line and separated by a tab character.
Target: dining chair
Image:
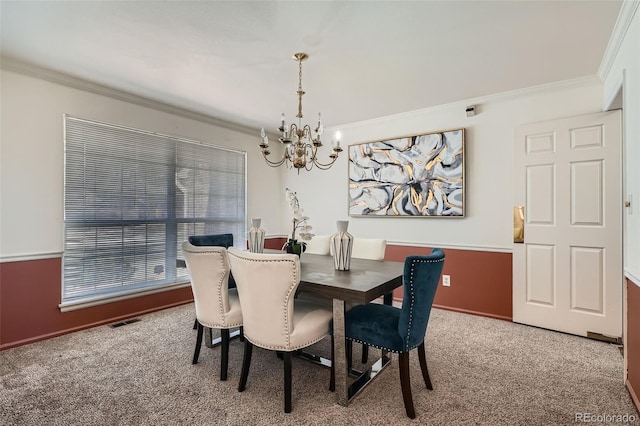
373	249
369	248
400	330
273	318
217	306
319	244
220	240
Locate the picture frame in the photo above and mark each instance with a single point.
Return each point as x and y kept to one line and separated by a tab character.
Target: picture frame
410	176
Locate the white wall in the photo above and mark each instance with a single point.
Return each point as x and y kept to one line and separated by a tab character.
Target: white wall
488	159
31	158
624	70
31	163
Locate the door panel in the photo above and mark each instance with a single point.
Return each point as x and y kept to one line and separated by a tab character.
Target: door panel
541	285
567	275
587	279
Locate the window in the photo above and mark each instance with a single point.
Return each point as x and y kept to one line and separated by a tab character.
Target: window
131	198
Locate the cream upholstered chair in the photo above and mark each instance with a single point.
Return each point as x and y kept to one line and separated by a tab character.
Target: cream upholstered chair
222	240
319	244
369	248
217	306
273	319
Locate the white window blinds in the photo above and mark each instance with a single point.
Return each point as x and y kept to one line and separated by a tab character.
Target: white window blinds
132	197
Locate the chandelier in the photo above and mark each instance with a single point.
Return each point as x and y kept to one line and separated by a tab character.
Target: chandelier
300	146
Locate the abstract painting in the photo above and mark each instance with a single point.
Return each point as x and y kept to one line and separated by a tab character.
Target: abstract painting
410	176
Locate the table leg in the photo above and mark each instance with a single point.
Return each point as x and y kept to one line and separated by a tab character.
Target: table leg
340	356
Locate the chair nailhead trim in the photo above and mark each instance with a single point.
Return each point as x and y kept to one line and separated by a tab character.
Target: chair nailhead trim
222	326
380	347
411	290
220	283
292	289
288	348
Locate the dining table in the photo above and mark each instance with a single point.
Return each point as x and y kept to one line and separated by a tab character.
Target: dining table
364	282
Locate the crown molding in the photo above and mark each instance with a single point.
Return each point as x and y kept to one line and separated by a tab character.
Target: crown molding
20	67
627	12
586	81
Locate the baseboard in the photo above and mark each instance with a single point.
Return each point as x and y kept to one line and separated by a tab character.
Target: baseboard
633	395
86	326
470	312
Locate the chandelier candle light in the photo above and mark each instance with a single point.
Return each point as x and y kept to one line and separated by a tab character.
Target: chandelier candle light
299	143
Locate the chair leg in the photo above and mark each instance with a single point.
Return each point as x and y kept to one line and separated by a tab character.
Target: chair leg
365	353
423	366
196	354
348	347
246	362
195	324
224	353
241	336
388	299
287	382
405	383
332	377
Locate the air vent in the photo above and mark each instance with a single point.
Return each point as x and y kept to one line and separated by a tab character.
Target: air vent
121	323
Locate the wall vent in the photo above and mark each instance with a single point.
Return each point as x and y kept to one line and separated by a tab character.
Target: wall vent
121	323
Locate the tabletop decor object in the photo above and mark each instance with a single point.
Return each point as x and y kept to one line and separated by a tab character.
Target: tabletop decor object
342	244
300	225
300	147
410	176
256	237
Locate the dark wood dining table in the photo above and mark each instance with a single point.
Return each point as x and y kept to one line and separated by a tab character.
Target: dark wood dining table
366	281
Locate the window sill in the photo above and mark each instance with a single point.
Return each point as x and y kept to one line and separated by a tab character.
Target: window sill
89	302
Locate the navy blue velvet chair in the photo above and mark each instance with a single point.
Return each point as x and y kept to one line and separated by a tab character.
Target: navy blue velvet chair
400	330
218	240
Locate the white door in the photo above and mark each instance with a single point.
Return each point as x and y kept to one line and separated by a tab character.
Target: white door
567	275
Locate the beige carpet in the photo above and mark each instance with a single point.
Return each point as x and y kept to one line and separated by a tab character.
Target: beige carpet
484	372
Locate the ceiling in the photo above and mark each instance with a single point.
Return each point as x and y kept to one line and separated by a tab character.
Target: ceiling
368	59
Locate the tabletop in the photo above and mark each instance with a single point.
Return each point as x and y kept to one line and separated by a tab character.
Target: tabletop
365	281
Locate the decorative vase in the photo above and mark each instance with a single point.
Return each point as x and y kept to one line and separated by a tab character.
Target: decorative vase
256	237
341	243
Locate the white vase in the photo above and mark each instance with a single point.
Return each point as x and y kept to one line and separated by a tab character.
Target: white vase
341	244
256	237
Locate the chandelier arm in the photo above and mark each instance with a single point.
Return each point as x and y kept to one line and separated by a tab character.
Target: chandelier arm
313	158
324	166
307	130
286	157
274	163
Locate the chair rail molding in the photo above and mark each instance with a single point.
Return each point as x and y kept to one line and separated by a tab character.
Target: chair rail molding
30	256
